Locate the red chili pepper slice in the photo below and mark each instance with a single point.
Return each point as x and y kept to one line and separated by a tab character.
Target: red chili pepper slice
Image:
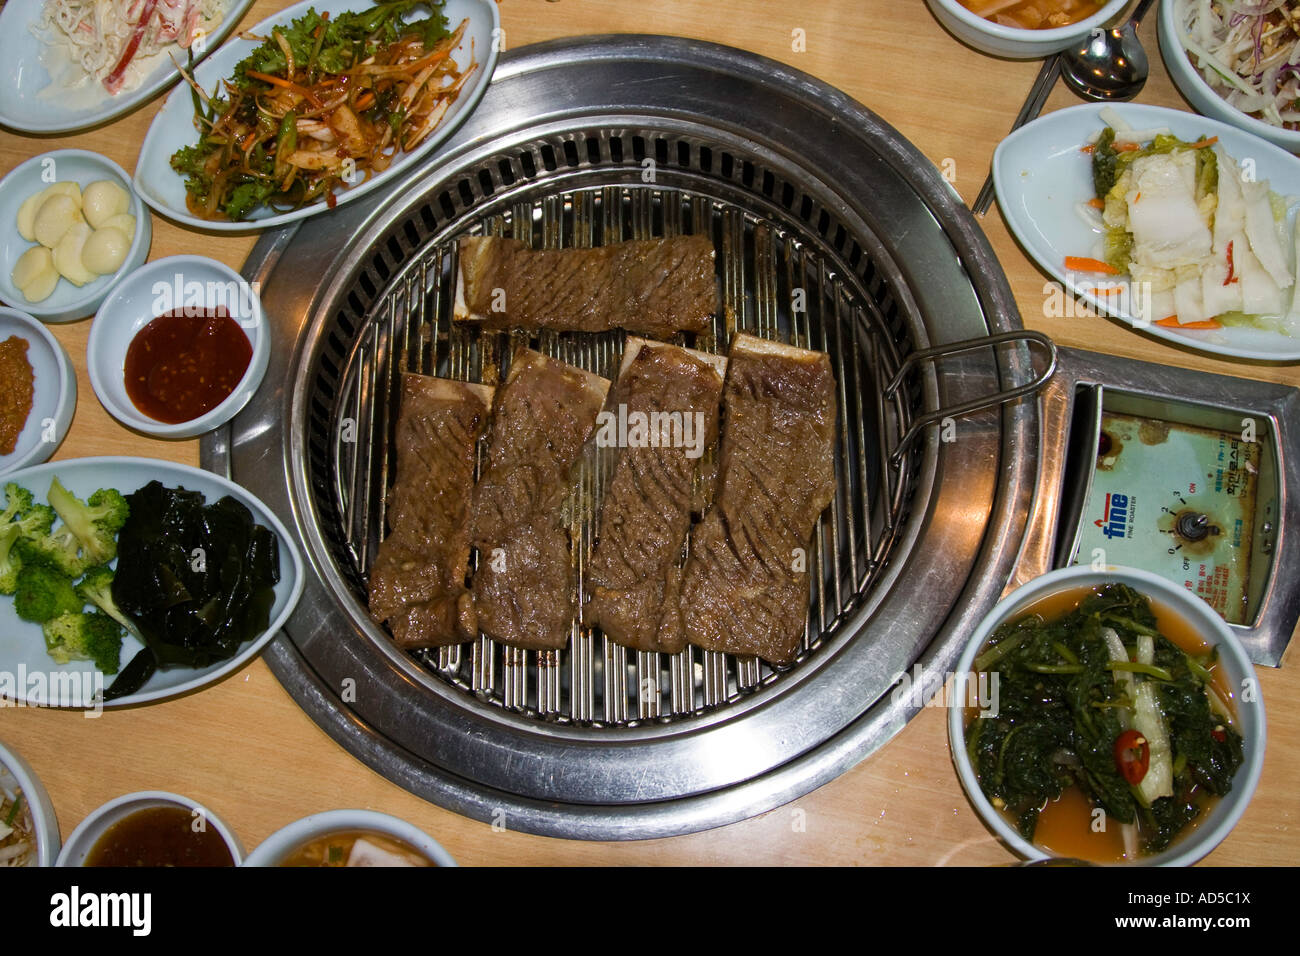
1132	756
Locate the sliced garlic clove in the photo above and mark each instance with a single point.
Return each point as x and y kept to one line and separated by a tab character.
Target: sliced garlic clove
27	215
40	288
69	189
55	217
103	200
123	223
30	265
67	255
105	250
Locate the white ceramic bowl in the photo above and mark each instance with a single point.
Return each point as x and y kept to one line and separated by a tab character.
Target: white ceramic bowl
88	832
1237	669
1013	42
287	839
1201	95
55	397
153	290
44	820
67	302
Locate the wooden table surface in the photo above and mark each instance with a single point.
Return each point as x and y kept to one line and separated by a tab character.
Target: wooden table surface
246	749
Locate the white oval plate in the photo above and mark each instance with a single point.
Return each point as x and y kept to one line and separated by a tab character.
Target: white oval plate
32	105
164	189
55	397
35	679
1041	175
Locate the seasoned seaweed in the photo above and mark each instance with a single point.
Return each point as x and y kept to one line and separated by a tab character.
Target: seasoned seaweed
197	579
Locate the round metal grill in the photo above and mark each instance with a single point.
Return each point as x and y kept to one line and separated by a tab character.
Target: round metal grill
831	233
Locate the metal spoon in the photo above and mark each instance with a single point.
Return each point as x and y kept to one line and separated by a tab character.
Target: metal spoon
1112	65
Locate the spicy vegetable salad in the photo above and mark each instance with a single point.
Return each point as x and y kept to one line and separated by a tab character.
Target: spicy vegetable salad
1203	241
1248	51
119	42
318	106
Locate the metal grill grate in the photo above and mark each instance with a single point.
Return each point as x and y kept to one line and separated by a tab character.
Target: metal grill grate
788	273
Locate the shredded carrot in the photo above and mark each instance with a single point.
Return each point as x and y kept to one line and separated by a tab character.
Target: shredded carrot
1096	203
1201	144
1171	322
1127	147
365	101
1090	148
1103	290
1083	264
286	84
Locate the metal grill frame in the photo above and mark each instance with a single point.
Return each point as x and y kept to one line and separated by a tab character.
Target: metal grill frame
649	778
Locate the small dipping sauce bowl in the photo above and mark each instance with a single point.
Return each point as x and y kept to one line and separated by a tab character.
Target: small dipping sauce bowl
209	323
152	828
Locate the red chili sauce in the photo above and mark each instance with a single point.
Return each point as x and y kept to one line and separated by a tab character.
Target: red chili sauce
181	366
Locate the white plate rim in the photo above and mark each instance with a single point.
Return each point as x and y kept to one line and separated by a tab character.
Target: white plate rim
66	405
156	82
152	161
1277	165
173	473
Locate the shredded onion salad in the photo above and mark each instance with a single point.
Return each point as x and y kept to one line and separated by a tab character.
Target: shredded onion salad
17	834
1248	51
107	38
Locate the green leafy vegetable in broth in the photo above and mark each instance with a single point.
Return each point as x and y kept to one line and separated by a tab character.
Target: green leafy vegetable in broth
1101	700
197	580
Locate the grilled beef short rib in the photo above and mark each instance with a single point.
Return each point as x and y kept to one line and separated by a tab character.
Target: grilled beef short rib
523	587
745	589
417	582
652	286
665	406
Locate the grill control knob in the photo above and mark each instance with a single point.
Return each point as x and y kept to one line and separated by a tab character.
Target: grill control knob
1192	526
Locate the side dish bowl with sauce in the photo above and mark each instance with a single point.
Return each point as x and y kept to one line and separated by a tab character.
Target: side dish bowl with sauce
40	395
339	838
1171	712
75	171
1008	38
152	828
178	347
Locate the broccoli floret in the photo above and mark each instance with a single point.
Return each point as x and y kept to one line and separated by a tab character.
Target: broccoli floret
84	636
94	523
59	550
97	588
43	593
20	519
18	501
9	561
